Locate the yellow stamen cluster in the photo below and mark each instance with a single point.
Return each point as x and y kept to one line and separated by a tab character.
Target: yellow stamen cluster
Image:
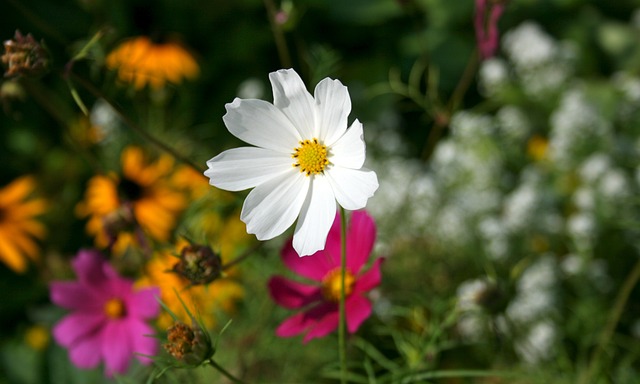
311	157
114	308
331	285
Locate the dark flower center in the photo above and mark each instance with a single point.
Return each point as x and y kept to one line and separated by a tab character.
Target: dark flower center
130	190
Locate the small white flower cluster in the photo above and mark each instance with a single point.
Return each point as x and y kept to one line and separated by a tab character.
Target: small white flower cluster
541	64
577	129
532	310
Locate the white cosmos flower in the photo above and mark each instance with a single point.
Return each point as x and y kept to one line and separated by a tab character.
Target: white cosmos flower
304	159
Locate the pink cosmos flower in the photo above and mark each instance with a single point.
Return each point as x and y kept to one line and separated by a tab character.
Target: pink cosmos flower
108	317
320	302
488	13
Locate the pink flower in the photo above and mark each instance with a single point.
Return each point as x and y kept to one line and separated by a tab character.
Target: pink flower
107	321
320	315
488	13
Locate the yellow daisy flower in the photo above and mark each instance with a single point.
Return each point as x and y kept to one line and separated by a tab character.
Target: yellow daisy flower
140	61
141	197
18	226
208	301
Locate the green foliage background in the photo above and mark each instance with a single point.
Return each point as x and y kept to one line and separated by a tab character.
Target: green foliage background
364	43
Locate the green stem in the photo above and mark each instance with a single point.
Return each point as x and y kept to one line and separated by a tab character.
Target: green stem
144	134
342	343
278	35
612	322
224	372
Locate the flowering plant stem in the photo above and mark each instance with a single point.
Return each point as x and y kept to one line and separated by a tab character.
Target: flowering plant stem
342	344
224	372
137	129
612	322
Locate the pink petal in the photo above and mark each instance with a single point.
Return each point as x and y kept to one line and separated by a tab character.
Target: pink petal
116	286
89	266
313	267
370	279
86	352
327	316
360	239
116	347
74	295
143	304
77	326
358	310
300	322
292	326
291	294
142	340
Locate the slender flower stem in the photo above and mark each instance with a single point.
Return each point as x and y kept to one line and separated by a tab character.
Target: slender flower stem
146	135
224	372
245	255
612	322
278	35
342	343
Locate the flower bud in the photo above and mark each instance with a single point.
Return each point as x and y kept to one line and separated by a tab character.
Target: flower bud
24	56
189	345
117	221
198	264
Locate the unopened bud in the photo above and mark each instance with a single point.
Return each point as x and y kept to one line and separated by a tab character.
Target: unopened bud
24	56
198	264
189	345
117	221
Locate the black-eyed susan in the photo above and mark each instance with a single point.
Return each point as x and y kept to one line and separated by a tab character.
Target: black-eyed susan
140	198
19	227
221	295
141	61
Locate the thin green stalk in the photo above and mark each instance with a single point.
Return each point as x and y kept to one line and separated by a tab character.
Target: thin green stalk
123	116
343	312
278	35
224	372
612	322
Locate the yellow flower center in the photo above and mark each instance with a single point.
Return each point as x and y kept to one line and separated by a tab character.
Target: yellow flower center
114	308
311	157
331	285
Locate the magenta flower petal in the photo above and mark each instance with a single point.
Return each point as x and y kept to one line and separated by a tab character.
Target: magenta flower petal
142	340
86	352
88	265
95	332
313	267
116	348
143	303
360	239
291	294
327	319
320	314
358	310
370	279
293	325
77	326
73	295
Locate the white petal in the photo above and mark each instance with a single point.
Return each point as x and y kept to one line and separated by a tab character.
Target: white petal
316	216
259	123
352	187
245	167
291	96
349	151
271	207
333	106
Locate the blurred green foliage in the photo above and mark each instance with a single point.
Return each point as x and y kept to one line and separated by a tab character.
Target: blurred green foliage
363	43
